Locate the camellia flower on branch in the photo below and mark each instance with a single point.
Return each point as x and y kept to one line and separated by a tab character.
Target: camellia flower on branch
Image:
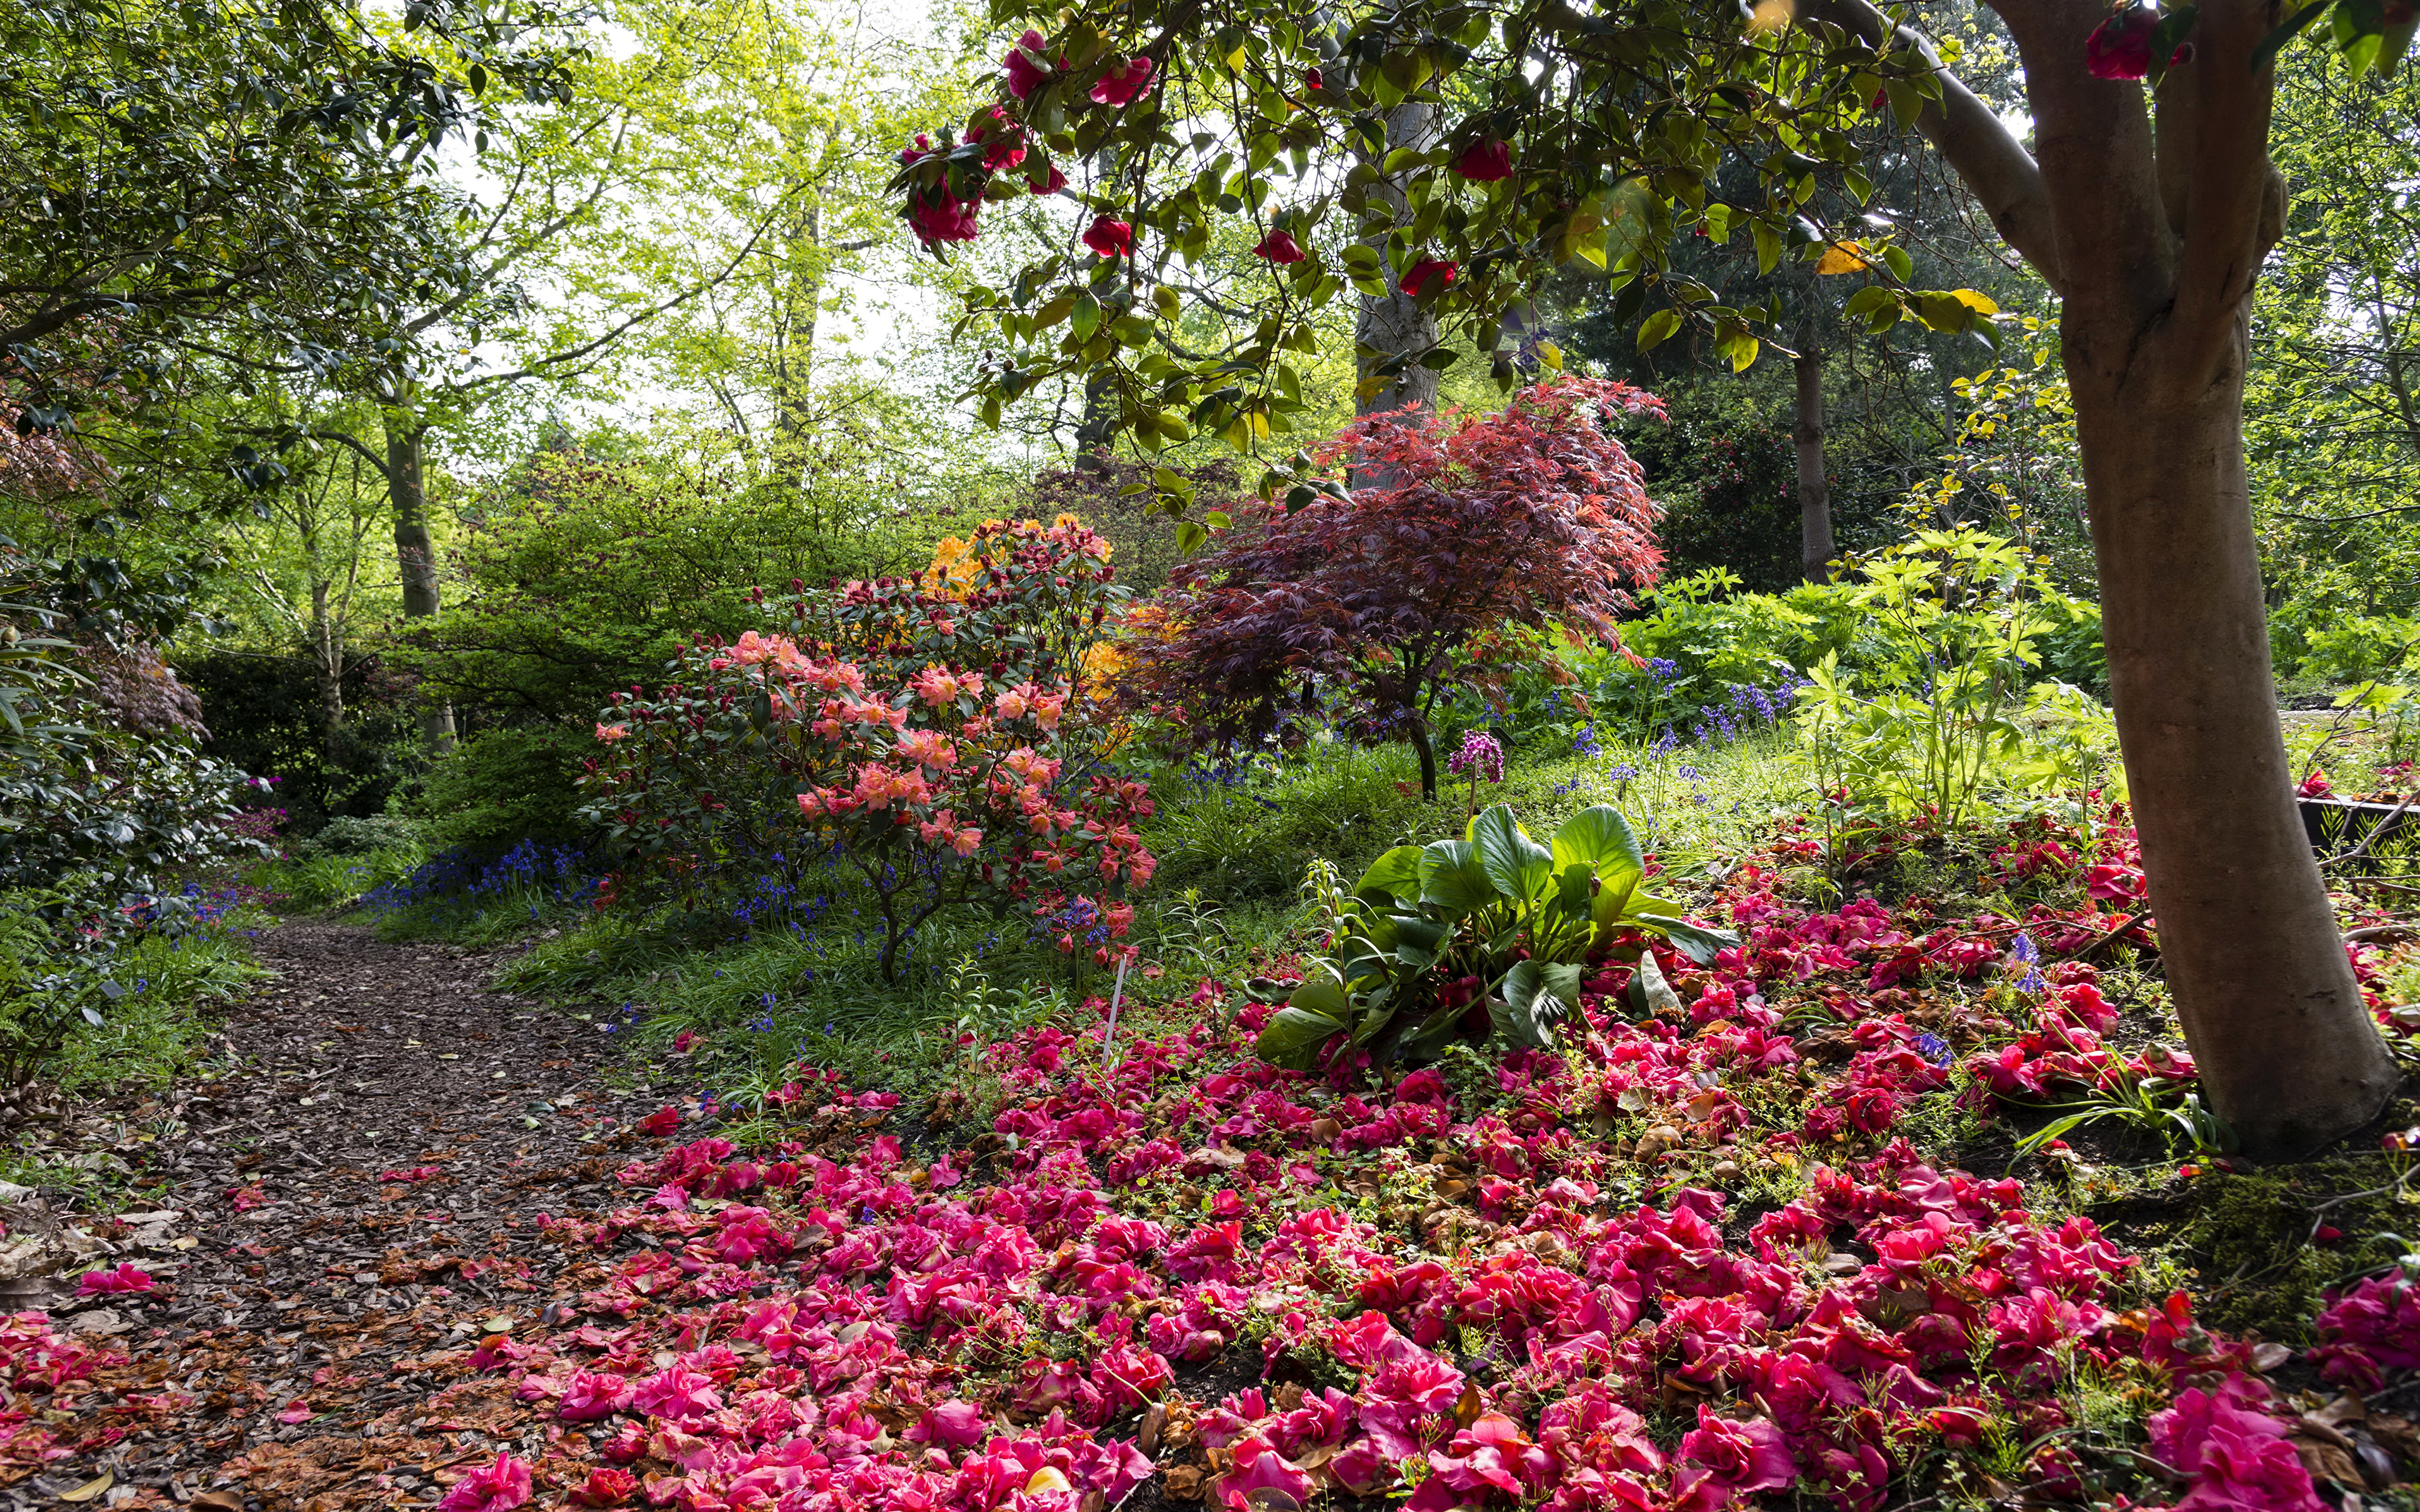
1485	161
1026	75
1279	247
1430	273
2120	47
1122	83
1109	238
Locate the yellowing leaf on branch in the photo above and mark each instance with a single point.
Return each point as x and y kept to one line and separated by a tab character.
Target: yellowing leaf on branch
1841	257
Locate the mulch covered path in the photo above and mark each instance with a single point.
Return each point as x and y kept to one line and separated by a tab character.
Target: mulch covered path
397	1125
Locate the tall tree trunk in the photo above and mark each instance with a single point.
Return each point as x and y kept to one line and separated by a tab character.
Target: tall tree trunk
2287	1051
1424	744
416	556
328	668
1392	325
1807	434
2151	235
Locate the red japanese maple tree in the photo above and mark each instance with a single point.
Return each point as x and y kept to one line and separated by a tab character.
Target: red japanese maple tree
1468	526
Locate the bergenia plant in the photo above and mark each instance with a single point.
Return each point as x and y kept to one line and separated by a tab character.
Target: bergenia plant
1491	933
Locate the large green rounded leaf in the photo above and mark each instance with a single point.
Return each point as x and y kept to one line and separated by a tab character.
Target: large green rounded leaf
1700	943
1452	878
1598	836
1517	865
1293	1036
1395	874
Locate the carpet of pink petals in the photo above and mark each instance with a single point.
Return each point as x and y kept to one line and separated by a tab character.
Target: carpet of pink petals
1190	1276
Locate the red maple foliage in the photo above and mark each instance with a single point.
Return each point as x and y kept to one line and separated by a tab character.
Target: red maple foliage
1477	526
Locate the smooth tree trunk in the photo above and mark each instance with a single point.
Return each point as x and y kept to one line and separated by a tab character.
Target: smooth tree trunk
328	669
2287	1051
415	557
1393	327
1814	488
2150	229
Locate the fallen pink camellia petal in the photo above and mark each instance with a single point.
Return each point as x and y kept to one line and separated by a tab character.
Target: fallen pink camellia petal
662	1122
296	1411
497	1488
124	1278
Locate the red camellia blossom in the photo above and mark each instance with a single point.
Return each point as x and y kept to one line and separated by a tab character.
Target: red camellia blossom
2120	47
1313	81
944	217
1119	85
1430	272
1486	162
1280	247
1051	185
1025	75
1109	238
1004	141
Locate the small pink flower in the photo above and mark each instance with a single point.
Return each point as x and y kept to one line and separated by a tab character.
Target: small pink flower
297	1410
611	733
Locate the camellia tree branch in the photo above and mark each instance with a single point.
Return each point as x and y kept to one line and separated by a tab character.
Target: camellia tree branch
1573	131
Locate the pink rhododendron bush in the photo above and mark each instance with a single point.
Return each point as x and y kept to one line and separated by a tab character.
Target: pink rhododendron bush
936	733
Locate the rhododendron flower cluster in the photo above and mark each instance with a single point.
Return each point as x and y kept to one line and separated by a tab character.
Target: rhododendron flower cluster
931	728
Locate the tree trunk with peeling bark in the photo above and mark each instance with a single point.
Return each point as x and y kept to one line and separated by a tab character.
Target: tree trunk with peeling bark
2153	254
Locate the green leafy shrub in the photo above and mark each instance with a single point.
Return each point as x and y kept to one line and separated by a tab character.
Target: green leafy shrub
346	834
504	785
1948	706
1494	922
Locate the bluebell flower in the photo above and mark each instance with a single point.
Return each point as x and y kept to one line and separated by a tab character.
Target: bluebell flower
1934	1049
